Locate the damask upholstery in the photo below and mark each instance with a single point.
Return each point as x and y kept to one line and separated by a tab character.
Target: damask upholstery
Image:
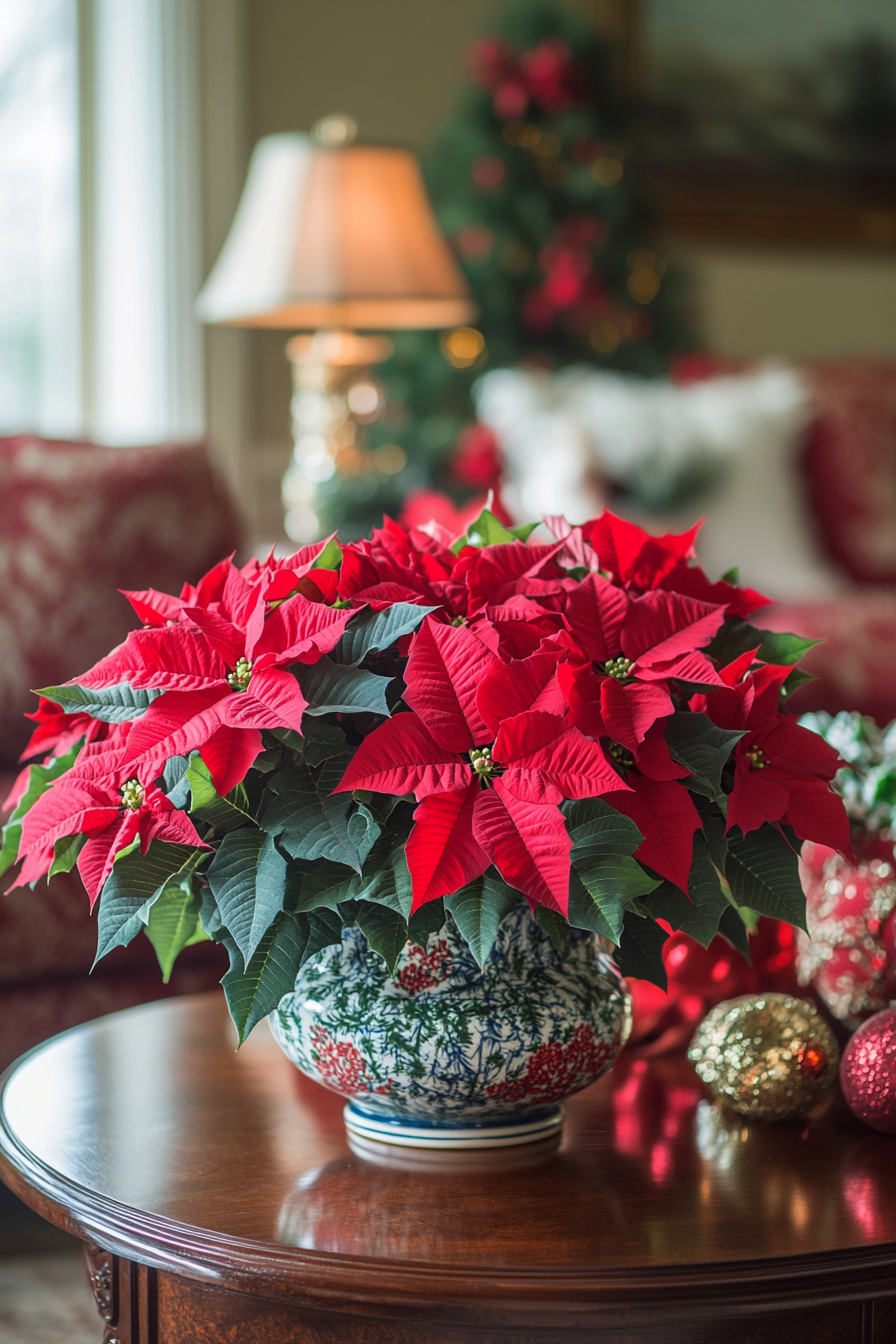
78	522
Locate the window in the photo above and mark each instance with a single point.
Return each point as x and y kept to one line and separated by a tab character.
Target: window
99	220
40	308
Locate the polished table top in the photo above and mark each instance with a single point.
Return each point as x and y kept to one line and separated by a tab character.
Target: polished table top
149	1133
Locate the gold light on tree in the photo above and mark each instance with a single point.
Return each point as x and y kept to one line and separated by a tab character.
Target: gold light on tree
332	237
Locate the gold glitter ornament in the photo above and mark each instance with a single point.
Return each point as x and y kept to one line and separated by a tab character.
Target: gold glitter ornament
768	1056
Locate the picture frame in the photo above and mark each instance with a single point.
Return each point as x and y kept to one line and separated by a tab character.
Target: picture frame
770	124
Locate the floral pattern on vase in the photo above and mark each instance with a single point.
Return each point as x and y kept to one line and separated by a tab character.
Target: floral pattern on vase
443	1040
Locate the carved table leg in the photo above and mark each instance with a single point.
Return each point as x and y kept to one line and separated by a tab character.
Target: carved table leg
125	1295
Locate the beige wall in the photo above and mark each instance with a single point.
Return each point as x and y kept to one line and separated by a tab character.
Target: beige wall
395	66
392	64
806	305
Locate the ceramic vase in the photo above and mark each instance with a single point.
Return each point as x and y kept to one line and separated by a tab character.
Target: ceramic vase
445	1054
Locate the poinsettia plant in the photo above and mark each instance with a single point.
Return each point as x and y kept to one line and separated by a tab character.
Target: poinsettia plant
412	728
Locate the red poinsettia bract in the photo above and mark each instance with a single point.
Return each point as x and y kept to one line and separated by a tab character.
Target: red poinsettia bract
489	755
105	797
634	647
639	562
224	676
782	771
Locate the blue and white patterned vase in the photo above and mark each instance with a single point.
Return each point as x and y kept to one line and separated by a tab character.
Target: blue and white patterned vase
445	1055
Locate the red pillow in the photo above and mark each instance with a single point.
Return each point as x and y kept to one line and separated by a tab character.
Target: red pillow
851	466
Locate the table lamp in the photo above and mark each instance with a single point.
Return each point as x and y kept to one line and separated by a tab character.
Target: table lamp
331	237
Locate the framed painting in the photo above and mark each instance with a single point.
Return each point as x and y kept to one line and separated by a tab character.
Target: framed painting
769	121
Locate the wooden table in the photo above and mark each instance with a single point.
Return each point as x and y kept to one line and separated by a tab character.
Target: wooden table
219	1201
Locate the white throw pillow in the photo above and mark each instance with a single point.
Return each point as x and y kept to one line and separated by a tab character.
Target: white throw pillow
561	433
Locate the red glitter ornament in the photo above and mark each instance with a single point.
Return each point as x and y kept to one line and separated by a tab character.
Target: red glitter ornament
850	955
868	1072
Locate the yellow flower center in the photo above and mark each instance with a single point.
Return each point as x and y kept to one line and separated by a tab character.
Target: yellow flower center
240	676
132	795
481	761
619	668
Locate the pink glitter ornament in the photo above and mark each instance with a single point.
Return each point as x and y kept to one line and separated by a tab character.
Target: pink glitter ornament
868	1072
850	955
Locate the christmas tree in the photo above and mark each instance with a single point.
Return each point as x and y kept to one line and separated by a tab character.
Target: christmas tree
532	185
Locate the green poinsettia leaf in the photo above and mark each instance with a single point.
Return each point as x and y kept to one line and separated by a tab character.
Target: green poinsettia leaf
486	530
641	950
763	873
736	636
611	881
224	814
322	740
371	631
331	688
390	885
732	576
698	911
385	930
330	557
325	930
310	820
732	927
10	837
40	777
65	854
111	704
522	531
713	828
134	885
290	738
174	776
248	880
554	925
209	914
363	831
586	913
597	830
478	909
784	649
696	743
254	990
425	921
796	679
324	886
174	922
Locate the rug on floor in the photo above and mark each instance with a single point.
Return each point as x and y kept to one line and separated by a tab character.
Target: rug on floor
45	1299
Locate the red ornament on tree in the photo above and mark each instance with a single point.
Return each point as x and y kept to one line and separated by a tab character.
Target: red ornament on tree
477	460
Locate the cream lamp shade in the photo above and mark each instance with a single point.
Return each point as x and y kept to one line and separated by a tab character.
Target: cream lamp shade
328	237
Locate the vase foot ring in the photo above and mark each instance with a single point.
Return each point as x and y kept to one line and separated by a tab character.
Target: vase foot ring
409	1132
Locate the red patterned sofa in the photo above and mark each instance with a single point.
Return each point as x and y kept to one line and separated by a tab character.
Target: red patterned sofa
850	472
78	522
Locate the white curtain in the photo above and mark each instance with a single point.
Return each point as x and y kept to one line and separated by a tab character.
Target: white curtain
146	358
97	335
40	280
